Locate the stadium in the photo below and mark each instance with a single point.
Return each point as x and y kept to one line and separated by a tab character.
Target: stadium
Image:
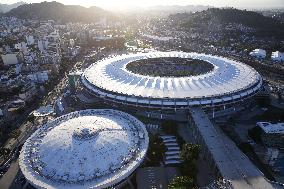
163	83
85	149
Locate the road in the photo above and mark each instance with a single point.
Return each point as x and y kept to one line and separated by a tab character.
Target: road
8	178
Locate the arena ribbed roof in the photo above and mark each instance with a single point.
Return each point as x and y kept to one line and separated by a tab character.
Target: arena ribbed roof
84	149
228	80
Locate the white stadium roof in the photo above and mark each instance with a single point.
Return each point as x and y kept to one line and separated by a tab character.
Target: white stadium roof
84	149
229	80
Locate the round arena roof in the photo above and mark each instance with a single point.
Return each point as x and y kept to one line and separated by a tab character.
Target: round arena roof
84	149
228	80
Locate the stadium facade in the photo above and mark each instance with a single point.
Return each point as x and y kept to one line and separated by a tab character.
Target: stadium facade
169	82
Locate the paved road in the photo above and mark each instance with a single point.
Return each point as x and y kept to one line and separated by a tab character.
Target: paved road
8	178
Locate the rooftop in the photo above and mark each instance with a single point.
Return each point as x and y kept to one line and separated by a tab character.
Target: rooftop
276	128
84	149
226	81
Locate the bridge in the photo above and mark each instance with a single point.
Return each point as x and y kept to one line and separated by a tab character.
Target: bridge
223	155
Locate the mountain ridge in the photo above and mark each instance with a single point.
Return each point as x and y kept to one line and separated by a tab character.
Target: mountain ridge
7	7
223	16
58	11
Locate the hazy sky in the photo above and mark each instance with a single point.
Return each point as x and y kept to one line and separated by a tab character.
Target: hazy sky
144	3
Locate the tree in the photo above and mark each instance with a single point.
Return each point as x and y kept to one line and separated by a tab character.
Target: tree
15	133
190	152
263	101
5	152
156	150
255	134
31	118
169	127
189	168
182	182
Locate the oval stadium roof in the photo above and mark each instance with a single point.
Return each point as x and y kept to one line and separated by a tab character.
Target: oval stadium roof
228	80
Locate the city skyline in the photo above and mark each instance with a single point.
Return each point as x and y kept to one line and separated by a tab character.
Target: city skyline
124	4
141	94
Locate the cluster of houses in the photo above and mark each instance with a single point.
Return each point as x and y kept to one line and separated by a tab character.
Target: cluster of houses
31	53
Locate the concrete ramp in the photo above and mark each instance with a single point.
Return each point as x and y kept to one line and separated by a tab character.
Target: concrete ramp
229	162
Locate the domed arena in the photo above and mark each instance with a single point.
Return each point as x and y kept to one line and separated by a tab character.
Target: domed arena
85	149
171	80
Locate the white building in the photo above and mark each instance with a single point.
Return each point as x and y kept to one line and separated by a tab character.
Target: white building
271	128
85	149
72	42
258	53
74	51
158	38
30	40
22	47
18	68
39	77
1	113
277	56
40	45
272	134
10	59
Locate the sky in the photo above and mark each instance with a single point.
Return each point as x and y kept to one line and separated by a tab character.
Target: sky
121	4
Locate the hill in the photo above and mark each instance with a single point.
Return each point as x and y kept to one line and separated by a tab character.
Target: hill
164	11
6	8
281	17
215	16
57	11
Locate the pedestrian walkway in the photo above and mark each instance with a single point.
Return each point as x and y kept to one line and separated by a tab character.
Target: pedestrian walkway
231	163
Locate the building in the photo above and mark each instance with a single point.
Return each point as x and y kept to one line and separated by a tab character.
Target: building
258	53
272	135
40	45
85	149
158	39
161	83
22	47
39	77
28	92
277	56
30	40
74	51
15	105
74	80
10	59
